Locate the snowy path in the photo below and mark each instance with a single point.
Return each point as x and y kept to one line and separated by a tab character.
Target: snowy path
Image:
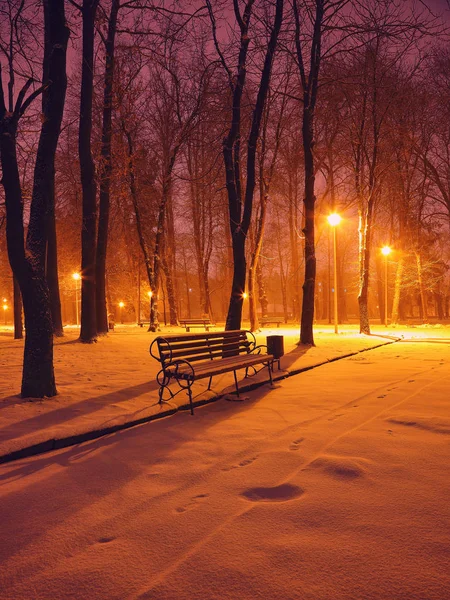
333	485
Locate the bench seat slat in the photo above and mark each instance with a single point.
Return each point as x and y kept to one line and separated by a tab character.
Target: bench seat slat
211	368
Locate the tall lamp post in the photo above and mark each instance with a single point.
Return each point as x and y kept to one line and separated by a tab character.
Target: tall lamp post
334	220
77	278
385	250
5	308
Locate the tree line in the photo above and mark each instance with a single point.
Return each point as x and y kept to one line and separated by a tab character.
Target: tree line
210	139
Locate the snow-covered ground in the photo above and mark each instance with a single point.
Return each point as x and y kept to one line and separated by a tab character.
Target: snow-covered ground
114	381
334	485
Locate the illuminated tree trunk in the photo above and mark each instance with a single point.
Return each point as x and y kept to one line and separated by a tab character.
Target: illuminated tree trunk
397	290
422	295
88	331
105	174
262	295
17	301
28	260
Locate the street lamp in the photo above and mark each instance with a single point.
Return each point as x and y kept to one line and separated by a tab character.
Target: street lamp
334	220
385	250
121	305
5	308
77	278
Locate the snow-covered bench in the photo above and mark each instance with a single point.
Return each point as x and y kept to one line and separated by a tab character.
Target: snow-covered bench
189	357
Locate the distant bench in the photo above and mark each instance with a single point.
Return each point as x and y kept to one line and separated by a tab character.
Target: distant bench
274	320
188	357
190	323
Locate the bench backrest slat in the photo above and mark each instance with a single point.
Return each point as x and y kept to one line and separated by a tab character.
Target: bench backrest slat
202	346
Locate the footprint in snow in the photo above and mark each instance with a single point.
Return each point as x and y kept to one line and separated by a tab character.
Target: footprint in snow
295	445
243	463
190	505
334	417
105	540
279	493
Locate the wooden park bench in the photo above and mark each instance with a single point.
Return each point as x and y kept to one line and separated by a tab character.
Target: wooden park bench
271	320
190	323
189	357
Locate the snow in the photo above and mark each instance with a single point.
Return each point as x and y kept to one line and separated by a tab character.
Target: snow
333	485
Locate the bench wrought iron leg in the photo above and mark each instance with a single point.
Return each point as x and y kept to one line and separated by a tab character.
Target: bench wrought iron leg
161	391
270	366
236	383
189	391
210	382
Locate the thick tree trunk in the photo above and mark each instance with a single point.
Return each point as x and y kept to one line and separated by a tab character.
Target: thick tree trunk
234	316
28	264
88	331
105	174
240	222
52	276
307	319
38	380
17	302
51	267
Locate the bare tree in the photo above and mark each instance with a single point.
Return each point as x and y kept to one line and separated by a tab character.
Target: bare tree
28	259
240	207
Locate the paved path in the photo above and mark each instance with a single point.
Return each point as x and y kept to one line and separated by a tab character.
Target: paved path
308	487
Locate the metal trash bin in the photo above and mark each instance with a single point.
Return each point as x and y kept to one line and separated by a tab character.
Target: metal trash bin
275	346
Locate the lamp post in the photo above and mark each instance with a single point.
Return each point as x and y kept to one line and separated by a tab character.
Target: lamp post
334	220
121	305
77	278
385	250
5	308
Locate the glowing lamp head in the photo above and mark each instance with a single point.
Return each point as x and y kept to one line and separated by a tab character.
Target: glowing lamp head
386	250
121	304
150	294
76	276
334	219
5	307
244	295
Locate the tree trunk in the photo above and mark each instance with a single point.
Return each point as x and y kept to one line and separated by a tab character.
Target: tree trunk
28	264
105	174
171	296
422	294
52	275
262	296
397	291
153	316
240	220
307	319
51	267
88	332
17	301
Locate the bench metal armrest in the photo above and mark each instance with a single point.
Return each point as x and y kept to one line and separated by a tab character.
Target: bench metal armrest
251	340
157	356
177	363
257	349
